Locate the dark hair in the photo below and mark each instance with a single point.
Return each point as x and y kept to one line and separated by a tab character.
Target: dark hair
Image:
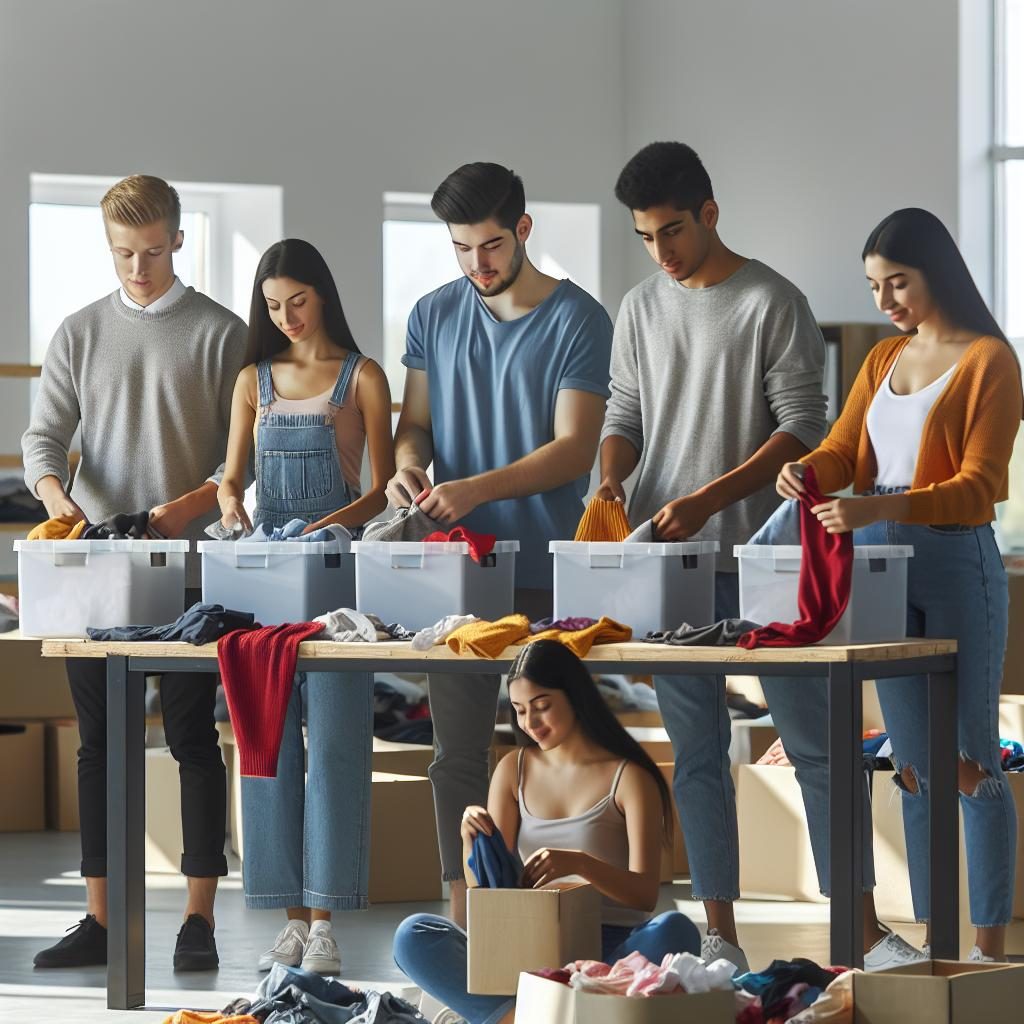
477	192
295	258
553	666
920	240
664	172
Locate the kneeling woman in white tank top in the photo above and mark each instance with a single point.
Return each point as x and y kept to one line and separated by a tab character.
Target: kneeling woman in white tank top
580	799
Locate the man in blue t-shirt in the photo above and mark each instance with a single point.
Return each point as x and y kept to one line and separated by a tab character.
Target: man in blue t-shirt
505	390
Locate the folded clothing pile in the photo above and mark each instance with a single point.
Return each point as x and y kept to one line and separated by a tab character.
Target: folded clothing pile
635	975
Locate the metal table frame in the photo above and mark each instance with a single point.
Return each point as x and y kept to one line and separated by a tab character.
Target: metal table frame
126	765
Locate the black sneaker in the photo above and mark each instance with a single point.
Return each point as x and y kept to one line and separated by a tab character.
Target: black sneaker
85	945
196	949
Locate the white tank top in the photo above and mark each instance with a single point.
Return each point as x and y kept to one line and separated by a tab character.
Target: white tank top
895	424
600	831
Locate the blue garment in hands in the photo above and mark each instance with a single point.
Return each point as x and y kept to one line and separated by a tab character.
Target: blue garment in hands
493	864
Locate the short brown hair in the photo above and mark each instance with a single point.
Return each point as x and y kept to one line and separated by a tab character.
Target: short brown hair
140	200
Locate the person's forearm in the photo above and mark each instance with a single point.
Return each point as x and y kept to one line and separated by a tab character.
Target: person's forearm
49	488
413	447
629	888
554	464
198	502
618	458
361	511
760	470
891	507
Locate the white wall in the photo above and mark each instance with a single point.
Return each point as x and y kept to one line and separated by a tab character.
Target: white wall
337	102
814	118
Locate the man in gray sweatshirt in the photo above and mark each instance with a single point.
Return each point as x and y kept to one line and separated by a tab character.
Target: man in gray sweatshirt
717	369
147	373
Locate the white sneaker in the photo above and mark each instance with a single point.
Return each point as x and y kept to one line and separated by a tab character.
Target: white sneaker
321	955
714	947
287	947
977	957
891	951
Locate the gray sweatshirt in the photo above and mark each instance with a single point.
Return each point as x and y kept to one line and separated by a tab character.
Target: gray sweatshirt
152	392
702	377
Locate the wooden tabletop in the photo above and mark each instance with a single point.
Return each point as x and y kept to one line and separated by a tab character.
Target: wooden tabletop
631	652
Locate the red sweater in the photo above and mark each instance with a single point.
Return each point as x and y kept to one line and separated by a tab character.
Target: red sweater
257	667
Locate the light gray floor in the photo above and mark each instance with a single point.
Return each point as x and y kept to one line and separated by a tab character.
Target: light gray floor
41	895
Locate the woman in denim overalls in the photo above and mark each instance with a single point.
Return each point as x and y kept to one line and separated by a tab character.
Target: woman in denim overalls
306	841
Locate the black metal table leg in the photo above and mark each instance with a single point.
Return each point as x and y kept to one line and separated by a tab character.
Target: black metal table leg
846	815
126	836
943	816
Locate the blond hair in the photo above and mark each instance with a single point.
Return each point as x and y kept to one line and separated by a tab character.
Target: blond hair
140	200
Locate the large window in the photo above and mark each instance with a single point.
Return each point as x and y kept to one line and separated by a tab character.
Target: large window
1008	154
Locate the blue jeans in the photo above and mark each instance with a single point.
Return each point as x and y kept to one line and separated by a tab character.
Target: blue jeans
307	835
956	589
431	952
697	720
799	708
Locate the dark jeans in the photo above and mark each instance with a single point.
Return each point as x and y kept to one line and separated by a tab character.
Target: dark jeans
187	699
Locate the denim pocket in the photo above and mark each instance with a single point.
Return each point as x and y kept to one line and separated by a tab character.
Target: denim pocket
293	476
953	530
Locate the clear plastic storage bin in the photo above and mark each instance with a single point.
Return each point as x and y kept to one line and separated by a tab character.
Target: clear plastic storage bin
877	612
279	581
65	586
648	587
418	583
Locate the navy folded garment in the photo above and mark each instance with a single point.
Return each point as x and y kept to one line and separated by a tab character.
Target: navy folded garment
201	624
493	865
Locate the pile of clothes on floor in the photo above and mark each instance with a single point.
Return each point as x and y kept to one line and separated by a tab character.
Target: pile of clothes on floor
290	995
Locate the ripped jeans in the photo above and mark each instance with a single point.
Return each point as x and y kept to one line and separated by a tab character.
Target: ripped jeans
956	589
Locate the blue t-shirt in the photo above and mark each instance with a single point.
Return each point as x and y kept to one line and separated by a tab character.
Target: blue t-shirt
493	387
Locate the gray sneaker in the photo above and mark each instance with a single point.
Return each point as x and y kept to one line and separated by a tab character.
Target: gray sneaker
288	946
714	947
891	951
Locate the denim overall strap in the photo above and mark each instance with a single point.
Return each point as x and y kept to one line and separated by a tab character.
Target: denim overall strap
348	367
266	384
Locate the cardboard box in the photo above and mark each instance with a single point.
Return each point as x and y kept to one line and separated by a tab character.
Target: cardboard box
163	813
62	744
22	758
1011	717
401	758
539	1001
676	855
405	864
31	686
1013	664
769	804
514	930
939	992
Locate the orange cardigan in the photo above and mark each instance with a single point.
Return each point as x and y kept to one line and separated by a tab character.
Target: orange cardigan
963	462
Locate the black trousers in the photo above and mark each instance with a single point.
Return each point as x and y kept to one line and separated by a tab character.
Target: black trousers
187	699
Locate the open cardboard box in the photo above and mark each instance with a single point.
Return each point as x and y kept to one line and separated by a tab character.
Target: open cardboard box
539	1001
515	930
940	992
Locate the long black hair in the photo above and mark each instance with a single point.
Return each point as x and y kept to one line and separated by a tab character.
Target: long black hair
295	258
553	666
920	240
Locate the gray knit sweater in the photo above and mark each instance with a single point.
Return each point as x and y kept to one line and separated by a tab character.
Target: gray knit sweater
701	378
152	392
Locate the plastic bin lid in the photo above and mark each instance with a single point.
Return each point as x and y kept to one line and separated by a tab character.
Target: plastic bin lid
434	547
273	547
793	551
663	550
150	547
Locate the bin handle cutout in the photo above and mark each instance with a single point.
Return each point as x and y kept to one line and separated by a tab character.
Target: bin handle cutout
68	558
246	561
407	561
689	561
606	561
157	560
876	565
332	561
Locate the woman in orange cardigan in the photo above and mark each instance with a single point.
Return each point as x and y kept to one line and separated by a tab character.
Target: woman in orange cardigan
925	439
